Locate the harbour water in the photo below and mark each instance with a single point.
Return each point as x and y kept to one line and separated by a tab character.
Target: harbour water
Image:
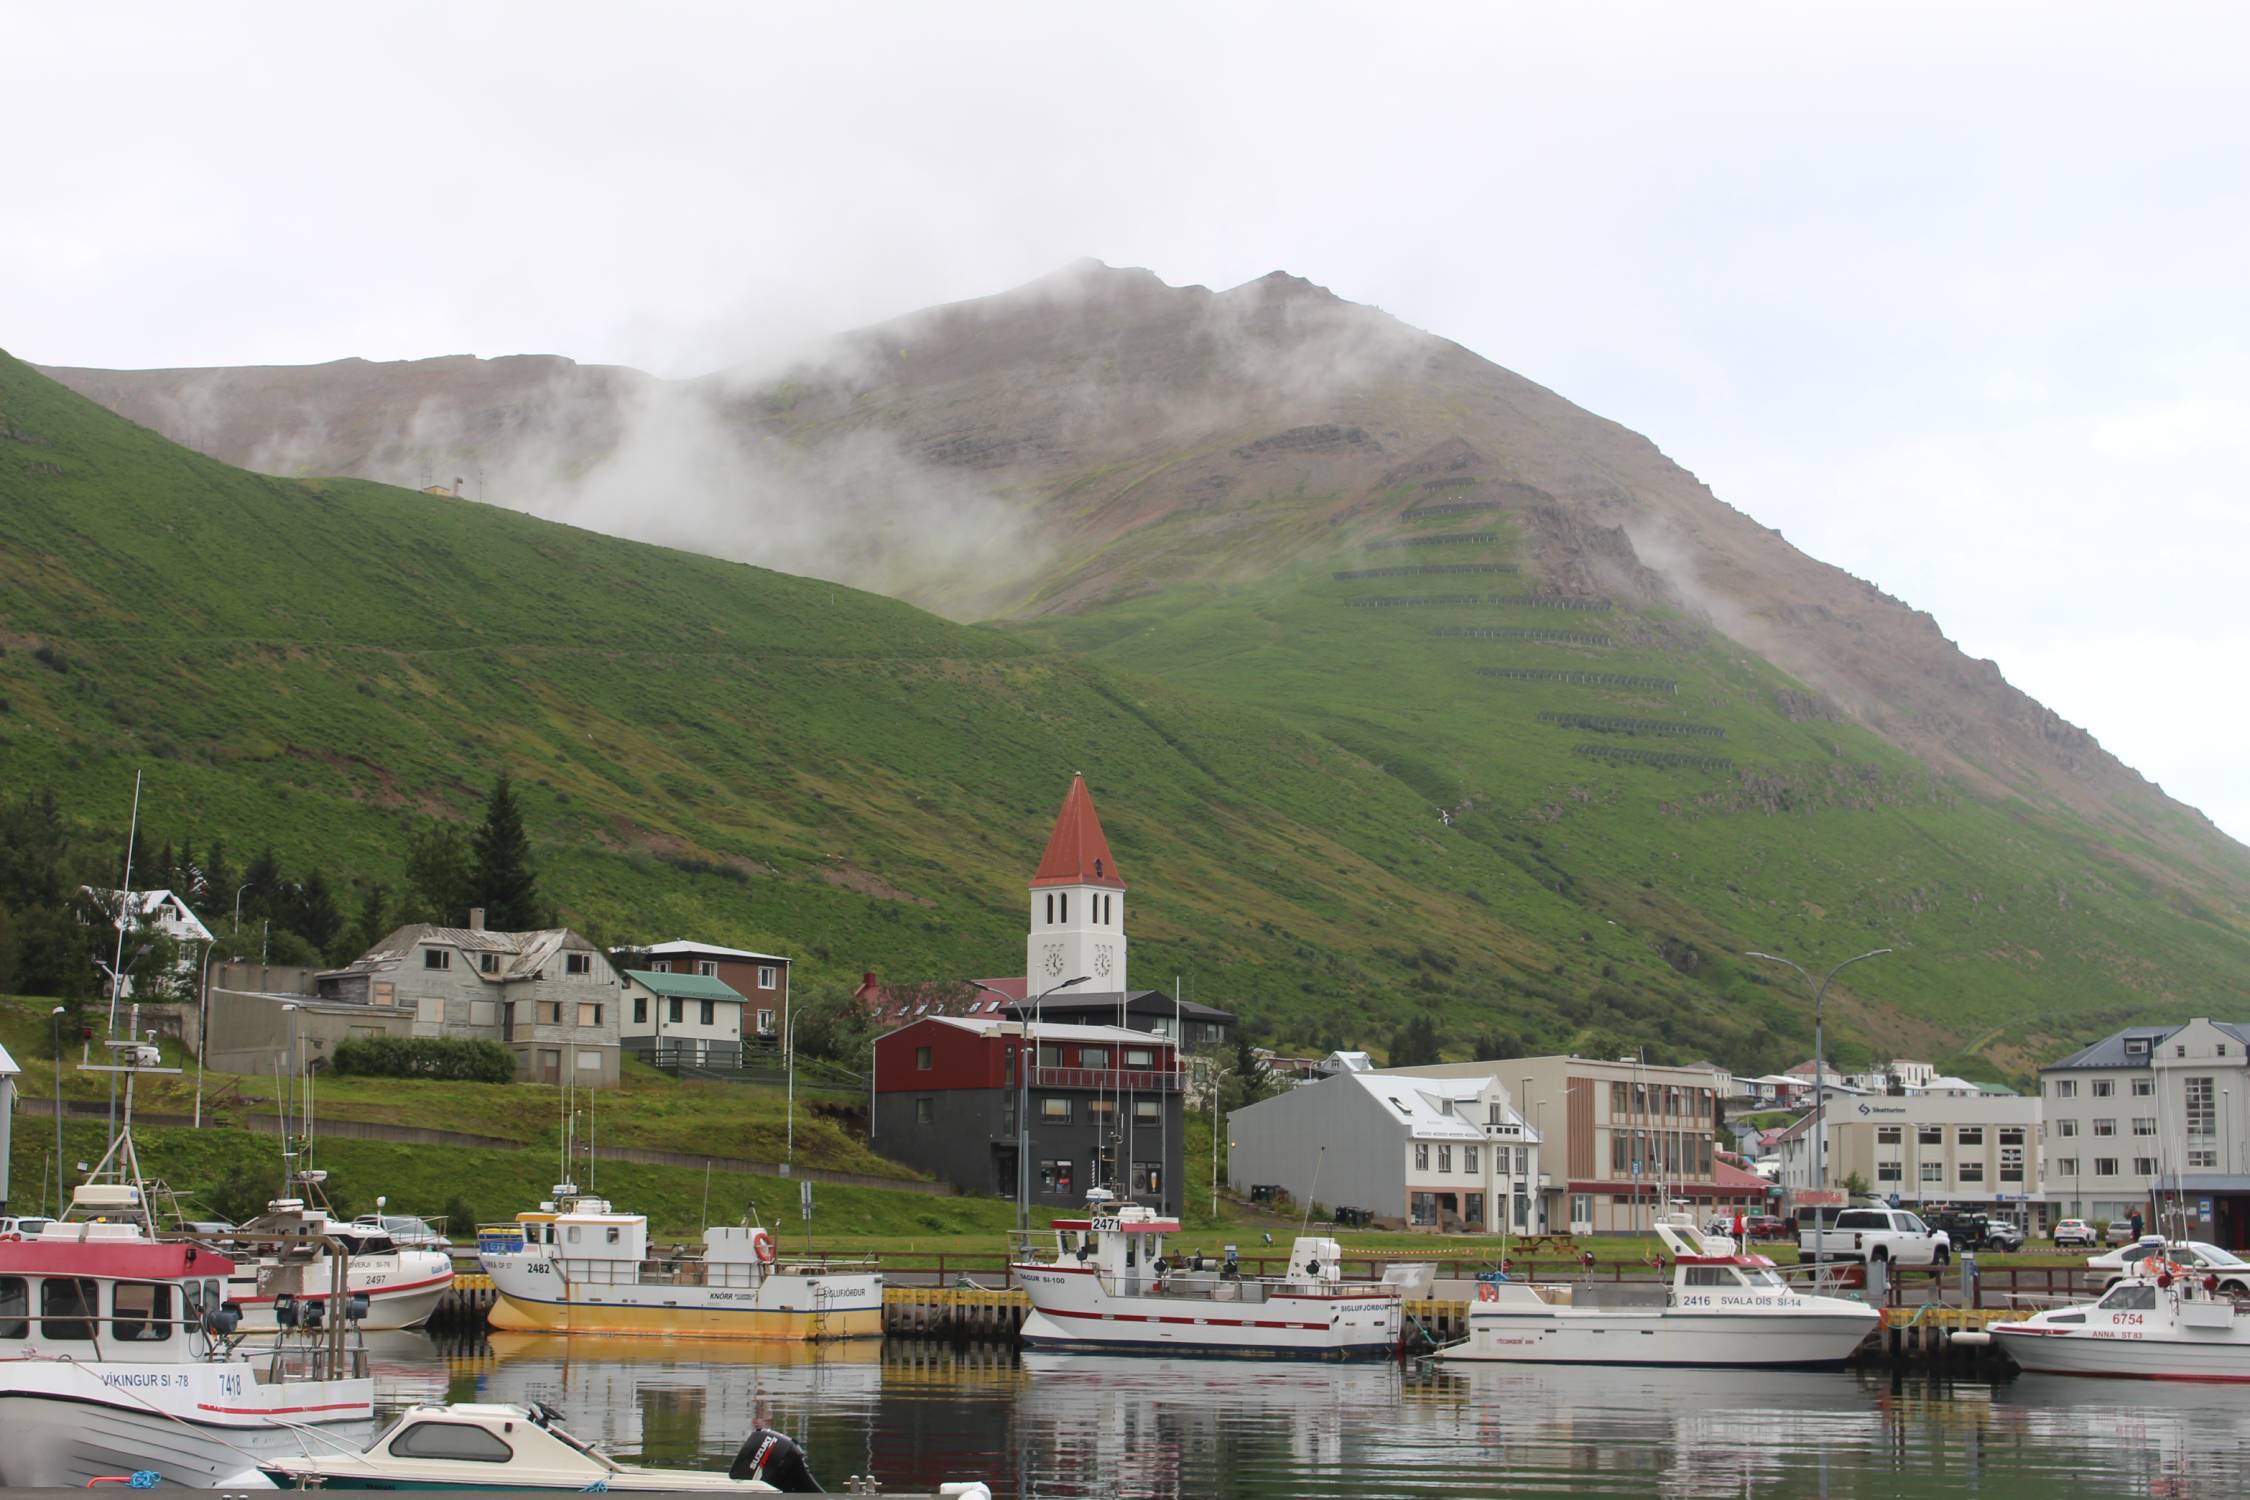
1085	1426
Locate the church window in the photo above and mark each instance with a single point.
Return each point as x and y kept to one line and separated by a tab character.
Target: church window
1064	902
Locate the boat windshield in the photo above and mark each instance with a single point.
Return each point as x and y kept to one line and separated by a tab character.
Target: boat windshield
1763	1279
2130	1296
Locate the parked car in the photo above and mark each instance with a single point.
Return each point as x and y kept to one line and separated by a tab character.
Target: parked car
2120	1231
1975	1231
2232	1270
24	1228
1875	1235
2074	1232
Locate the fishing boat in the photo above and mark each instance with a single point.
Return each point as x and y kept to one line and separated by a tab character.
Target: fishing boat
402	1286
1111	1288
2163	1321
577	1265
1722	1307
118	1356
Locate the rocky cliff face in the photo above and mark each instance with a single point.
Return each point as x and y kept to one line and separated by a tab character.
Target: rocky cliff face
1097	435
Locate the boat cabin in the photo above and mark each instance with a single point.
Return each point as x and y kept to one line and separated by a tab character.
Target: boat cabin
100	1291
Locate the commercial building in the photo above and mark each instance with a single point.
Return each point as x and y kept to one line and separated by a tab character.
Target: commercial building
1411	1148
2153	1107
1620	1138
549	997
1103	1107
1936	1147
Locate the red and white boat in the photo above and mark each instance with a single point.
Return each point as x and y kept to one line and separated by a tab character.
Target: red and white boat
1111	1288
403	1287
2163	1321
116	1357
1723	1307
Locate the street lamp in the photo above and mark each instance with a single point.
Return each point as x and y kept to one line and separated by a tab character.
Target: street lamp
789	1046
56	1019
1820	1064
1028	1055
238	890
202	1026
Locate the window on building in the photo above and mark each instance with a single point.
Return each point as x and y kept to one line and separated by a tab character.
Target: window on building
640	1010
578	963
1933	1171
1093	1057
1492	1113
1620	1151
2198	1156
2104	1087
2143	1087
1054	1176
2105	1127
925	1111
2144	1125
661	966
2066	1088
1100	1109
1523	1161
1148	1109
678	1010
1970	1135
2011	1163
1930	1135
2066	1127
550	1012
769	976
1445	1158
2144	1166
1889	1135
589	1013
488	963
706	1012
2066	1166
1054	1110
922	1059
708	968
1971	1171
765	1023
1050	1055
1469	1160
1617	1098
437	958
1581	1208
1421	1156
1139	1057
1890	1171
1008	1114
2011	1135
2105	1166
1148	1177
2202	1117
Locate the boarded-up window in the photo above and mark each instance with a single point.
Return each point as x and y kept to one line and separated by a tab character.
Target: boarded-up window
481	1012
430	1010
382	992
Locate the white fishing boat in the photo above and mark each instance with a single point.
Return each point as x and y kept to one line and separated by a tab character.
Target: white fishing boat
577	1265
493	1446
1722	1307
403	1287
1112	1288
2164	1321
117	1357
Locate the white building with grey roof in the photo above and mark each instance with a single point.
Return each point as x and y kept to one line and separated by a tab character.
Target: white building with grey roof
1423	1150
2149	1111
550	997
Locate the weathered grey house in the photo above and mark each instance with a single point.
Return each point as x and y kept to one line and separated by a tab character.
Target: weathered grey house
549	997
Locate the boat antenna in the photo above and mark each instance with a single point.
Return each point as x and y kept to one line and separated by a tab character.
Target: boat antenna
1314	1196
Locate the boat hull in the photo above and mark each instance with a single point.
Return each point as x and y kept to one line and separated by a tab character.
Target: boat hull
1664	1337
203	1428
783	1307
398	1297
2215	1361
1071	1310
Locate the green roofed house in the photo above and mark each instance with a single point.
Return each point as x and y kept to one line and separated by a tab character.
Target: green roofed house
682	1020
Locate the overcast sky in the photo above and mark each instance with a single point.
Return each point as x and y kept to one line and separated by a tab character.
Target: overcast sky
1956	296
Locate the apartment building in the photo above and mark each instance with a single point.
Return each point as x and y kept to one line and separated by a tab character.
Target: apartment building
2153	1107
1966	1150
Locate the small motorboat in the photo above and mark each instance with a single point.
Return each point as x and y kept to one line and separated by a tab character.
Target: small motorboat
499	1446
2163	1321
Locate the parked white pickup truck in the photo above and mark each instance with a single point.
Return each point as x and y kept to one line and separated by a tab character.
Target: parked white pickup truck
1874	1234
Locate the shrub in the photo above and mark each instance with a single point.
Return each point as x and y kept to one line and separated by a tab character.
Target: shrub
472	1060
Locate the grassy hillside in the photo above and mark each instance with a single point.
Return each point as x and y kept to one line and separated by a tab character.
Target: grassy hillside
715	750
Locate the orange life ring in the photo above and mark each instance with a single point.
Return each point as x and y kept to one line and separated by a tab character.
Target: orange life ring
1487	1292
761	1245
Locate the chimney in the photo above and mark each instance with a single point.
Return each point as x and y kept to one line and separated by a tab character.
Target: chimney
476	919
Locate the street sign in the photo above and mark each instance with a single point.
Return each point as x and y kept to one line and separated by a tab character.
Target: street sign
804	1198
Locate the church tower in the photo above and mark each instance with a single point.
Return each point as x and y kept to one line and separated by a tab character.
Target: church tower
1077	906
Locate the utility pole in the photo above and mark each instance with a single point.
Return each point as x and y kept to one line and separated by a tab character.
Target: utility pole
117	963
1820	1067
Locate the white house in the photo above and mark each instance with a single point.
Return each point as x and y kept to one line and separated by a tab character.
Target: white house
1435	1152
672	1019
162	912
1910	1074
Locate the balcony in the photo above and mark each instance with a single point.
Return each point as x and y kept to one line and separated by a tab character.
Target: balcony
1106	1080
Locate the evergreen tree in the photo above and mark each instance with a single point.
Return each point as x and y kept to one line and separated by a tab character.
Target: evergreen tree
313	915
369	927
262	895
438	875
505	882
215	902
1415	1044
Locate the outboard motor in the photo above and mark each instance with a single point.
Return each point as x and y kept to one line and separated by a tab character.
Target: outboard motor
769	1456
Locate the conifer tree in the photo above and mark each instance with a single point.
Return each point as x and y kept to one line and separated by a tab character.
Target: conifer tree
505	881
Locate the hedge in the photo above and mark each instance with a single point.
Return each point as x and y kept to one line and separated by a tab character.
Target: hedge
470	1059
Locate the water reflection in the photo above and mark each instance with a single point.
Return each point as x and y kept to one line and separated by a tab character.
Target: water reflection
1072	1427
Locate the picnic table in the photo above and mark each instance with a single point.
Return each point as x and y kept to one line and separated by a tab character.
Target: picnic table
1533	1244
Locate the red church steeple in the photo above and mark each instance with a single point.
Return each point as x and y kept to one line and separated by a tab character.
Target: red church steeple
1077	854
